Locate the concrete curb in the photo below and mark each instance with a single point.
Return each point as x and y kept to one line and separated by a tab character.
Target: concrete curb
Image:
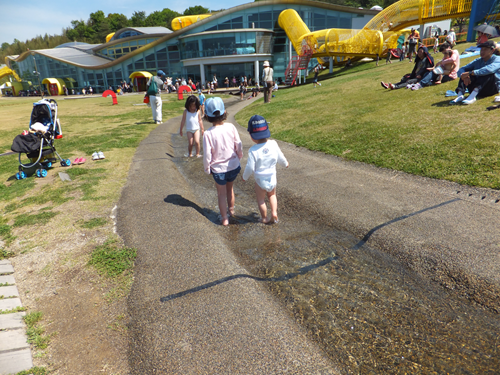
15	352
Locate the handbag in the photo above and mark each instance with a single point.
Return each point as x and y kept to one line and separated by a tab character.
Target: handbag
146	99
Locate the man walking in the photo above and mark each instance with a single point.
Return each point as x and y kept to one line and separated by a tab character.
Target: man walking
154	90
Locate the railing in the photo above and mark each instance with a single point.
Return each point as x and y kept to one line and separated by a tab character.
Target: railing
429	42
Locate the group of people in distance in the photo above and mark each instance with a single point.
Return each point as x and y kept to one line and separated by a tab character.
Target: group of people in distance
481	77
223	151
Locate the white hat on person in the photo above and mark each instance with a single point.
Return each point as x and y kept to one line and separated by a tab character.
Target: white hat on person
266	63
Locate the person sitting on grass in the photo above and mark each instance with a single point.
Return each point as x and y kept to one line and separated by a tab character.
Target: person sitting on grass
447	65
451	59
423	61
481	76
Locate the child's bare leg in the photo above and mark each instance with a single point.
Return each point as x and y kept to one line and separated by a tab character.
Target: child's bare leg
221	195
261	201
190	142
197	142
230	197
273	202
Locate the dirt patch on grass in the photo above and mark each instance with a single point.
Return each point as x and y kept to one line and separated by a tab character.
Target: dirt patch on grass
86	323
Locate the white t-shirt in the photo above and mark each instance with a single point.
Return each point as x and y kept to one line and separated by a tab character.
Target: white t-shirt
192	121
262	159
451	37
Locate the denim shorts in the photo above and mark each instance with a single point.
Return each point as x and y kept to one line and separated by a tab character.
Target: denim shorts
229	176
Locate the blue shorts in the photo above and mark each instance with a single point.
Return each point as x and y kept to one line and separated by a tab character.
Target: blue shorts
229	176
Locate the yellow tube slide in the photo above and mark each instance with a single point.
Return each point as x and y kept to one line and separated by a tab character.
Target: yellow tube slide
6	71
378	36
185	21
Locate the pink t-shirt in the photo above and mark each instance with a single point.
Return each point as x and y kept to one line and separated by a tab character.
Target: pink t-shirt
222	149
456	59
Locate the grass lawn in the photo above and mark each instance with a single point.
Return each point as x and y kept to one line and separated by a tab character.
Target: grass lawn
60	233
417	132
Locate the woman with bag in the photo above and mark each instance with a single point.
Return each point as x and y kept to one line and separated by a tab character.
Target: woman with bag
267	77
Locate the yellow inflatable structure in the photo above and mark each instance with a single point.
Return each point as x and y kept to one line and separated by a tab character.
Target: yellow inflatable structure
185	21
378	36
109	36
6	71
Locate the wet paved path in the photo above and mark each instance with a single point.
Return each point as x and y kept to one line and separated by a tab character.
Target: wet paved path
191	311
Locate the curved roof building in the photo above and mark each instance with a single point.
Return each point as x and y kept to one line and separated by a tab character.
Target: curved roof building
234	42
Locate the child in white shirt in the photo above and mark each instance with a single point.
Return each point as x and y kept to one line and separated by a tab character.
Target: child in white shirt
192	119
262	159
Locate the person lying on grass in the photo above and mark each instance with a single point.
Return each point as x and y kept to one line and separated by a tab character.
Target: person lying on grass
423	61
480	77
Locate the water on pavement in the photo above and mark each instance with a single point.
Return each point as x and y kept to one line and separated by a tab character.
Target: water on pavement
371	314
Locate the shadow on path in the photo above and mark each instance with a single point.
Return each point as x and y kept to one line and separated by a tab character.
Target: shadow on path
179	200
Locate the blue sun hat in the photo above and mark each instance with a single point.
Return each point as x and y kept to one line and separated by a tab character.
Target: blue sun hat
214	105
258	127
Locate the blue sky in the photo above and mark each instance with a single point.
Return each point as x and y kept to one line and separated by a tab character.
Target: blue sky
28	18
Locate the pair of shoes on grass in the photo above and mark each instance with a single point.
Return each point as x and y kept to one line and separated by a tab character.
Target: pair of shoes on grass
98	156
471	99
79	161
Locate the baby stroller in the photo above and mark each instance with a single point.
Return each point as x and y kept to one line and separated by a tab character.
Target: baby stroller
38	142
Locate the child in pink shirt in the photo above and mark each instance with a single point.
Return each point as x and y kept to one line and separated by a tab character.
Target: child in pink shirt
222	151
448	65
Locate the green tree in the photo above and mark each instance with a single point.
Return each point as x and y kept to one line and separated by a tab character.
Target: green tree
197	9
138	19
96	19
80	32
117	21
163	18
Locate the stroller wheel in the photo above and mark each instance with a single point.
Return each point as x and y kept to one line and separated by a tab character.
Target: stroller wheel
43	173
47	164
66	162
22	175
18	177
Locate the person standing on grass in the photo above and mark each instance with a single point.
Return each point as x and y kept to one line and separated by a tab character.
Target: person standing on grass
222	152
154	96
315	79
194	124
404	50
436	42
481	76
262	160
267	77
412	42
451	38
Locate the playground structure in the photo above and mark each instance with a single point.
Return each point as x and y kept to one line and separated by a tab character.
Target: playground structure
379	35
185	21
6	71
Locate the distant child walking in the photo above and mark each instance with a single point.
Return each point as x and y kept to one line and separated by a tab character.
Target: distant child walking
404	50
201	97
222	154
192	119
262	159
